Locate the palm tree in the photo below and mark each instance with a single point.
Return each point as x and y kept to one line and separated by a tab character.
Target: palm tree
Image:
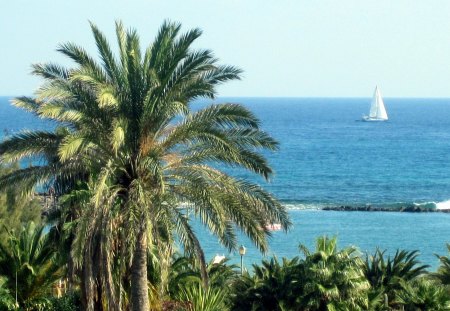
273	286
423	294
184	278
443	272
386	276
222	274
333	278
127	125
183	273
30	263
200	299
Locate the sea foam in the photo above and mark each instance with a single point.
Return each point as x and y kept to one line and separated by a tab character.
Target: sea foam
445	205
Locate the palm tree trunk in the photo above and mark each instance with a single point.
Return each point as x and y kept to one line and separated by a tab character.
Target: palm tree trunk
139	285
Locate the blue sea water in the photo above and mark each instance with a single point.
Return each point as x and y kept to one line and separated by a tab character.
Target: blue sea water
328	157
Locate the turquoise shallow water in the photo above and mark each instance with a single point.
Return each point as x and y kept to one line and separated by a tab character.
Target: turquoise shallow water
328	157
426	232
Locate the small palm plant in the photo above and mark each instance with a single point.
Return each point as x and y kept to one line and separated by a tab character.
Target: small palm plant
200	299
185	276
334	279
443	272
423	294
273	286
386	276
30	263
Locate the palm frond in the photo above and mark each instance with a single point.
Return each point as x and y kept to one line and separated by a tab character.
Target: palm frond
28	144
74	144
60	112
82	58
106	55
51	71
27	103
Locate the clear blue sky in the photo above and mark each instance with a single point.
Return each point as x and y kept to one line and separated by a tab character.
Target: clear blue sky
286	48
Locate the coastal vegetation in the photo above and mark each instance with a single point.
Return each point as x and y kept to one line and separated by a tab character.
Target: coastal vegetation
128	150
16	208
128	167
326	278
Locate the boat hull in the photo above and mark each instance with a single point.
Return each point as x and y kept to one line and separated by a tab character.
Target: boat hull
369	119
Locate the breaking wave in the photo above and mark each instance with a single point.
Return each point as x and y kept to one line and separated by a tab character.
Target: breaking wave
444	205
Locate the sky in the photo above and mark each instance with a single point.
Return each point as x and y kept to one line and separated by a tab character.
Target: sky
287	48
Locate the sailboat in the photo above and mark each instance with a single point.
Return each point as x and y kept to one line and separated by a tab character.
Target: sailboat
377	109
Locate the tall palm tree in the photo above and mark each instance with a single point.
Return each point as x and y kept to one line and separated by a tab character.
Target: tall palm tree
31	265
127	124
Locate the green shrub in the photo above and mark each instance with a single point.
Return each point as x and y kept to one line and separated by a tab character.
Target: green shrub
69	302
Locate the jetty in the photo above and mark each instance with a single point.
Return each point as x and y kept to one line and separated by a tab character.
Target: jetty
369	208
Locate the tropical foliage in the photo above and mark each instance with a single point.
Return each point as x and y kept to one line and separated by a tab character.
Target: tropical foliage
7	301
274	286
423	294
326	279
127	130
387	275
333	278
29	261
16	208
443	273
183	274
201	299
68	302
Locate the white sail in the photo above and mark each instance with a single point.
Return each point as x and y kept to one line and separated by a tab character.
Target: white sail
377	109
374	105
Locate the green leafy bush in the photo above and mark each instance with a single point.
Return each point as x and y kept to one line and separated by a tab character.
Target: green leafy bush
68	302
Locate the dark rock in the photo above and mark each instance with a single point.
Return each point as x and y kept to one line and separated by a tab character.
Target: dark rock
369	208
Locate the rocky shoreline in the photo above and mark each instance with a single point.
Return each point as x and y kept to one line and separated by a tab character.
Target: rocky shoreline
402	209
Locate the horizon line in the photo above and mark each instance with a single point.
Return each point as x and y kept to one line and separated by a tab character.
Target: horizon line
294	97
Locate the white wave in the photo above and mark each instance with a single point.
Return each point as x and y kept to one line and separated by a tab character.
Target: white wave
301	206
445	205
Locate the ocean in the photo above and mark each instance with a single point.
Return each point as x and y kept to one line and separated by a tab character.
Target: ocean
328	157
